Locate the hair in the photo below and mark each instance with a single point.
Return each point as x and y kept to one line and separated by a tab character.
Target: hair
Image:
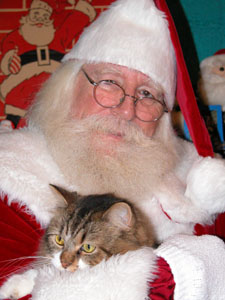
53	102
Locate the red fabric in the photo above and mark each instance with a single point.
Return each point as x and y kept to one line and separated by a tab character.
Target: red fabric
20	94
218	228
19	238
185	94
164	285
221	51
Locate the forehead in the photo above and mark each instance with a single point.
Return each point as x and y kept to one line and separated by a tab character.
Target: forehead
122	72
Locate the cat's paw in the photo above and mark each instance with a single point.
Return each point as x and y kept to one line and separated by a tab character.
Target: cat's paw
19	285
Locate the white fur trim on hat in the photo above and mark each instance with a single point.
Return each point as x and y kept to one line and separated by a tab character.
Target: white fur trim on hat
134	34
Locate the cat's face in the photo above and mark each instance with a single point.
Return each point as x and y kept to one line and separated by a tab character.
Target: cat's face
91	229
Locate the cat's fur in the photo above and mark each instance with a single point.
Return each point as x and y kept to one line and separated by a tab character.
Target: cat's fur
110	225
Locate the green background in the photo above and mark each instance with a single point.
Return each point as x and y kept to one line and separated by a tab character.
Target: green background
201	28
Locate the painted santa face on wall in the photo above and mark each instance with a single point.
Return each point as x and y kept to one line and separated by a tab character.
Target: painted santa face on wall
37	28
39	16
130	80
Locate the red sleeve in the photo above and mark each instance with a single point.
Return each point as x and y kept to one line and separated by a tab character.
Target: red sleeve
163	286
19	237
217	228
70	30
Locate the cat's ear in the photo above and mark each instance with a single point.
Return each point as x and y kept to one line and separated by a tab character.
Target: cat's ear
120	214
66	196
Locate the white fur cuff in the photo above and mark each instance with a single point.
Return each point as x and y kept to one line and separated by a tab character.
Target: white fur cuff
122	277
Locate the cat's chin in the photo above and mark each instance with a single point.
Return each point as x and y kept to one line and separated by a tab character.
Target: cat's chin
57	264
82	265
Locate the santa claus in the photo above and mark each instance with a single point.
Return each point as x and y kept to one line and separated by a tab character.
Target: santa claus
211	85
112	133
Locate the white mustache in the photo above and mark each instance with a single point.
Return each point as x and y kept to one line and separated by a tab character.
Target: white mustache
111	125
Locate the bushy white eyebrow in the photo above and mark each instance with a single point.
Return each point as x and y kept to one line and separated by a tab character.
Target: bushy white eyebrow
100	70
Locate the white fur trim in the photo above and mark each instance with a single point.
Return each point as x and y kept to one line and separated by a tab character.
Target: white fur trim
197	264
26	171
18	285
134	34
122	277
206	184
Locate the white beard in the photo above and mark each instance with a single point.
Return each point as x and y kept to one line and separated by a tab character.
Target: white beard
34	35
130	168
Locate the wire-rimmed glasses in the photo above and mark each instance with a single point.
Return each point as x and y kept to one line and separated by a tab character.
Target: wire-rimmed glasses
109	94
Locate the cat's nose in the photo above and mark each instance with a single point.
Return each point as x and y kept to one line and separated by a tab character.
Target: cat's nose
65	265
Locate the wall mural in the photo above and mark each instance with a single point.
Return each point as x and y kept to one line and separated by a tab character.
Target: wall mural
34	36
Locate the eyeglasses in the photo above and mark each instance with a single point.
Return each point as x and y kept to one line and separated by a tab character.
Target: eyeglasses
109	94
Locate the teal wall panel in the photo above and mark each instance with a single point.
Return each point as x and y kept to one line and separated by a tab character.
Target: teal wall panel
201	28
207	23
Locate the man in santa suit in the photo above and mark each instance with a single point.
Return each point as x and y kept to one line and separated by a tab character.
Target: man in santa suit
112	133
34	50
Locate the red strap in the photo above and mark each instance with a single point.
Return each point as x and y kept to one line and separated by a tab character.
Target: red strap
185	94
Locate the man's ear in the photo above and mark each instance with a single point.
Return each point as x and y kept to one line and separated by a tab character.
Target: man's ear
120	215
66	196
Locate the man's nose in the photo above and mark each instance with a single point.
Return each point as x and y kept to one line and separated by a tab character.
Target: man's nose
126	110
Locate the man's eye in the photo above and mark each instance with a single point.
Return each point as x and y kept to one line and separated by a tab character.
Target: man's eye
146	94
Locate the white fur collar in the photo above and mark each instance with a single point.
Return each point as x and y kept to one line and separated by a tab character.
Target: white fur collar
26	171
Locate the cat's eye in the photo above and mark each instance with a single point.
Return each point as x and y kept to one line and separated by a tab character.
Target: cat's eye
59	240
87	248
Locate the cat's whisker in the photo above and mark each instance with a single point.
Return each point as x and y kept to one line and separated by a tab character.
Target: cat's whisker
40	263
13	272
18	264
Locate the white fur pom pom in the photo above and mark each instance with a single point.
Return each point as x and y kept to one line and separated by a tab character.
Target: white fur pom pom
206	184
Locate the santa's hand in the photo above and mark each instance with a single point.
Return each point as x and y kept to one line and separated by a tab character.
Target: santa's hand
206	184
14	62
86	8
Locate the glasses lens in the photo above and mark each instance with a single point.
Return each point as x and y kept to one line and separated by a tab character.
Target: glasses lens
149	109
108	93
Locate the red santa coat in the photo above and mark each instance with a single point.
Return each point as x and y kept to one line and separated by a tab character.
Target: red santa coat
26	184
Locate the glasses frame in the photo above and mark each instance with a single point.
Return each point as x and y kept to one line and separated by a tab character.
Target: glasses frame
136	99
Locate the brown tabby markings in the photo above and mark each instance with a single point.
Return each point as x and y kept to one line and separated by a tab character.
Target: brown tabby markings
109	224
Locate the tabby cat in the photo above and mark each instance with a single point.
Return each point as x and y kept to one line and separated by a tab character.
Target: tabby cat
92	228
85	231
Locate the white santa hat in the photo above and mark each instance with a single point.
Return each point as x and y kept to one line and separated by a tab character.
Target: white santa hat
141	35
132	33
